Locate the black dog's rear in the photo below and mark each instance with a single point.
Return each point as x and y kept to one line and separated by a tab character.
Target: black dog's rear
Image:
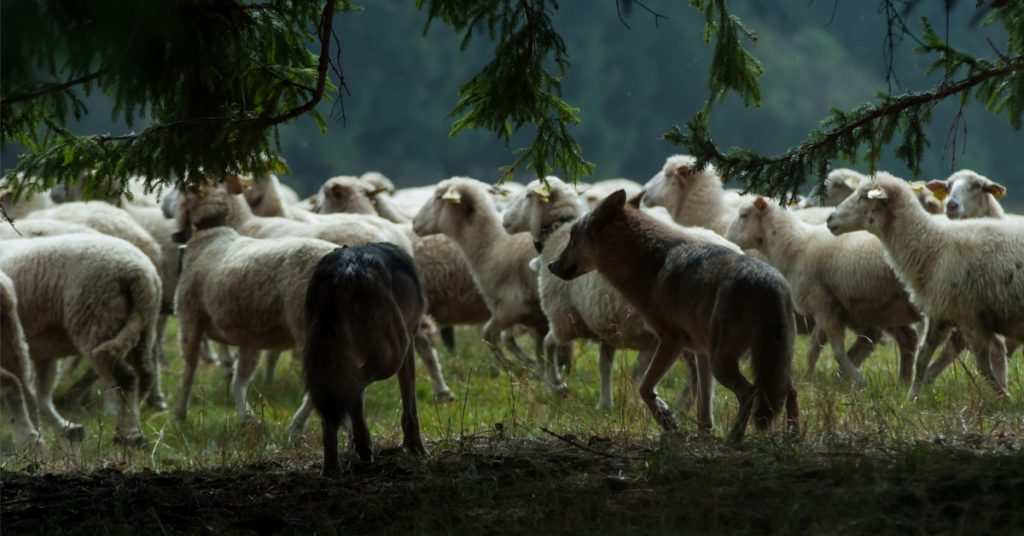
363	307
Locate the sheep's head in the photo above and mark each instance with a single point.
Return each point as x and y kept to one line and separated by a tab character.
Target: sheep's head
454	205
347	195
261	192
210	204
581	252
677	178
378	182
927	198
967	194
839	184
540	204
872	205
747	230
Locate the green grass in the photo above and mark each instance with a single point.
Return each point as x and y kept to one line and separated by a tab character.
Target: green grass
495	406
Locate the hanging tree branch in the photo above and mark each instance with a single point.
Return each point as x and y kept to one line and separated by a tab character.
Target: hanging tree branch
50	88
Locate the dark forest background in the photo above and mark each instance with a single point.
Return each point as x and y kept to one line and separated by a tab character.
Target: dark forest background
632	77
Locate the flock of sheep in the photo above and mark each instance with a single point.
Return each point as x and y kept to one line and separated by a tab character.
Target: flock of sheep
688	271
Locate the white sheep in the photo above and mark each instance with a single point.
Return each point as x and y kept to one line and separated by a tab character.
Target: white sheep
837	281
840	183
463	210
14	373
697	198
969	195
240	291
92	295
968	274
355	197
592	194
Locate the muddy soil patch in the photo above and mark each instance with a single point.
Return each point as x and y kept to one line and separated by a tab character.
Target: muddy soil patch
541	487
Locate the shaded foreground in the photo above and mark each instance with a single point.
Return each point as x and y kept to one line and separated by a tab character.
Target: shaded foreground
544	486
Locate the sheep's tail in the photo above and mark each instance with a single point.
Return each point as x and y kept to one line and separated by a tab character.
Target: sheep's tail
772	361
350	317
143	302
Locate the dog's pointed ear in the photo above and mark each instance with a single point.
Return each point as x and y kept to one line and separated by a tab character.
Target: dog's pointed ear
615	201
636	199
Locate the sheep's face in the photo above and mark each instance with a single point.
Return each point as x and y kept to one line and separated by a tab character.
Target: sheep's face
348	195
541	204
449	210
840	185
967	194
866	209
580	255
674	182
258	191
747	230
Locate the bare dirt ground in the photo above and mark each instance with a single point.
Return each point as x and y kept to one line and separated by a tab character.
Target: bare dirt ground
544	486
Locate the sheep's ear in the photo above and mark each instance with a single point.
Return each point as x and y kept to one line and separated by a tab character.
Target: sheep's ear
543	191
877	193
680	172
938	188
852	182
760	203
233	183
497	191
376	191
997	190
452	194
337	190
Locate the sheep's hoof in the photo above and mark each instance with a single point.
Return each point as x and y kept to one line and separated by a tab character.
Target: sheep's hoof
560	389
415	448
331	471
74	432
603	405
445	397
156	402
181	413
134	439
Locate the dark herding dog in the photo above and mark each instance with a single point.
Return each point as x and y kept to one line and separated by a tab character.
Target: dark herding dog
694	296
363	308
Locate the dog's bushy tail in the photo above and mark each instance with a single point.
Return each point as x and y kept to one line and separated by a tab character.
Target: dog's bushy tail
772	361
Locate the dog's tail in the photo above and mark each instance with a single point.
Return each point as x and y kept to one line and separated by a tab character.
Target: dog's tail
772	361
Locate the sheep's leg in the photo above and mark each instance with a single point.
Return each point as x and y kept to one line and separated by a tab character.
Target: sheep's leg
245	365
664	357
935	333
906	341
45	379
691	390
224	357
491	335
816	339
411	440
864	345
125	382
189	340
17	396
271	357
509	340
448	338
206	353
990	353
836	335
951	349
701	365
551	373
643	361
606	360
158	342
442	393
301	416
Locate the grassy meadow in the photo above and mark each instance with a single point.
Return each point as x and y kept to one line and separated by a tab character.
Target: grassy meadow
556	463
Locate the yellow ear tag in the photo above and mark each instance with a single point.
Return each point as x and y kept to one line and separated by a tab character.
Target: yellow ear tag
851	182
918	187
245	181
452	195
543	192
877	193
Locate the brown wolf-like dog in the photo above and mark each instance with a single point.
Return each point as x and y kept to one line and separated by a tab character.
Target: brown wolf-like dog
694	296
